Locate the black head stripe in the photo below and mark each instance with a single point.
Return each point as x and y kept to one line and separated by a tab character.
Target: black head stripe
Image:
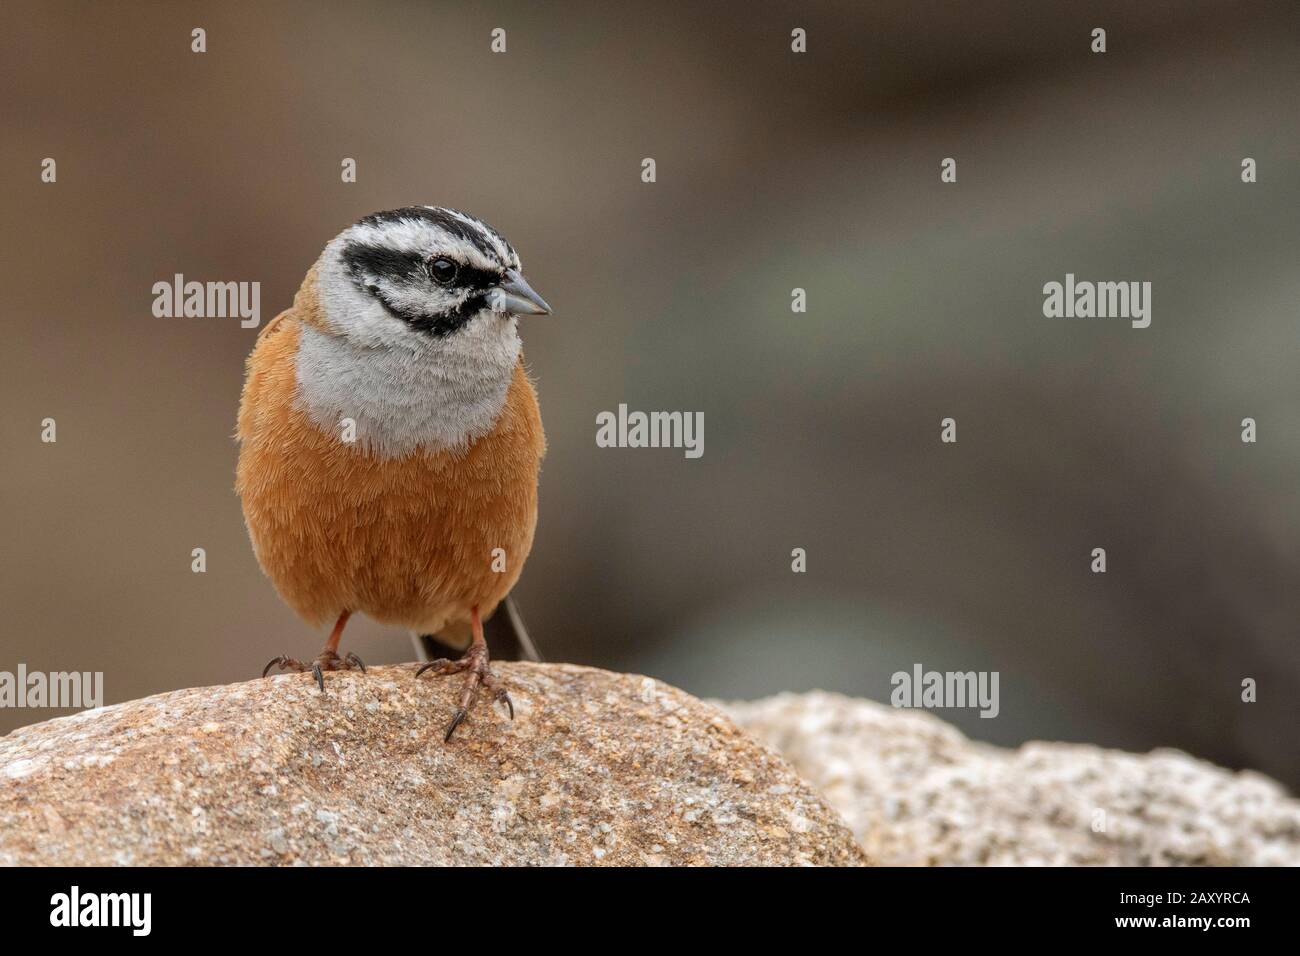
474	232
511	256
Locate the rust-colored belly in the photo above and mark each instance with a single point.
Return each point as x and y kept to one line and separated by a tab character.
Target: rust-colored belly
412	541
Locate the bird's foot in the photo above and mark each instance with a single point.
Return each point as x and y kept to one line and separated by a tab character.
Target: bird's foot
327	661
474	665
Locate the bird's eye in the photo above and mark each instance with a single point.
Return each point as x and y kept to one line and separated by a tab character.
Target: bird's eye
443	270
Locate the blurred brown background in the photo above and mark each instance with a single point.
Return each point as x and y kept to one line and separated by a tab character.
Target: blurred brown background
822	430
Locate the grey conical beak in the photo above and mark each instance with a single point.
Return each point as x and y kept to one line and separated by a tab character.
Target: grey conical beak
514	296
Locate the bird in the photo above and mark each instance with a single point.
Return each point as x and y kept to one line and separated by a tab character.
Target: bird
390	441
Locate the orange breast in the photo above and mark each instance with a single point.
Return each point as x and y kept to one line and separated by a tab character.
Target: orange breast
410	541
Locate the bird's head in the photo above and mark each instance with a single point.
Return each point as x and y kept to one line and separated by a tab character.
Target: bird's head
424	277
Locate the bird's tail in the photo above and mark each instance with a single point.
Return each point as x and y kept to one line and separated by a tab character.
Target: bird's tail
507	638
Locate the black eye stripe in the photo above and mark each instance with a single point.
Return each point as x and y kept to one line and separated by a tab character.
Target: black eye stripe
367	262
470	277
364	259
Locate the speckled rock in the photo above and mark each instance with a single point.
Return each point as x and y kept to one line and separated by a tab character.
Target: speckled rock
598	768
916	791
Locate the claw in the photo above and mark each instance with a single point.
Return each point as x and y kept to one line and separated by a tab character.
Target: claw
424	667
477	677
327	661
281	662
455	722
